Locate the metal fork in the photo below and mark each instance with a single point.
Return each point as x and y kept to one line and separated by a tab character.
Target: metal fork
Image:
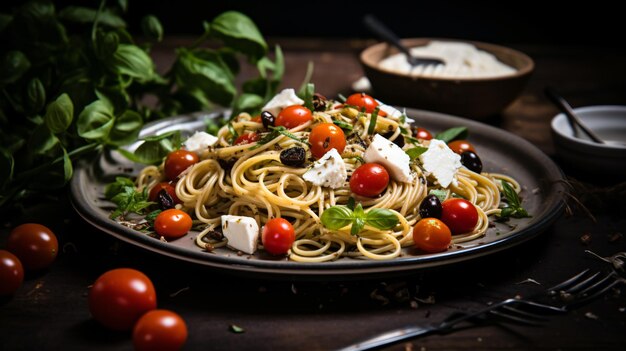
572	293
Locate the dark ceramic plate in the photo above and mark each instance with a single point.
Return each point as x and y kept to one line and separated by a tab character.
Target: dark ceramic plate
500	151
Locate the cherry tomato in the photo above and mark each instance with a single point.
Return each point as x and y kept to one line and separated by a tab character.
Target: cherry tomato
11	273
169	188
34	244
120	296
256	119
178	161
370	180
423	134
324	137
160	330
278	235
362	100
460	146
247	138
293	116
459	215
431	235
172	223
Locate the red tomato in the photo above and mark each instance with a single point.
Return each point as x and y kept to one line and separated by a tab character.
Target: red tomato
459	215
169	188
160	330
11	273
460	146
34	244
431	235
257	119
423	134
278	236
178	161
172	223
293	116
364	101
247	138
324	137
120	296
370	180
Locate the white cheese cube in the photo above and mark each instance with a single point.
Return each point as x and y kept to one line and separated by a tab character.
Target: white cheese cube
441	162
200	141
328	171
285	98
242	233
391	156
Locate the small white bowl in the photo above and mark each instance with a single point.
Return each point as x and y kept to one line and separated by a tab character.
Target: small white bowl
609	123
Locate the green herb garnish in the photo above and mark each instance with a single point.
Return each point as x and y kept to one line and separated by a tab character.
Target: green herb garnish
122	192
451	134
439	193
275	132
343	125
515	208
336	217
373	118
415	152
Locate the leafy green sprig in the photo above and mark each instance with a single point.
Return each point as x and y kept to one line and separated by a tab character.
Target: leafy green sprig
514	208
122	192
339	216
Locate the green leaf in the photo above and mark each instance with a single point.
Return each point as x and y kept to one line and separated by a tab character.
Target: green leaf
247	103
357	226
132	61
236	329
68	170
152	28
373	119
7	165
439	193
381	218
14	65
123	4
154	148
343	125
307	79
510	194
126	128
233	133
87	15
351	203
35	95
96	120
106	44
59	114
306	94
515	208
358	211
336	217
416	151
42	140
238	31
117	187
451	134
150	217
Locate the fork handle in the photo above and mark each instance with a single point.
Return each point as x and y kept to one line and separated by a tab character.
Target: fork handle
389	338
383	32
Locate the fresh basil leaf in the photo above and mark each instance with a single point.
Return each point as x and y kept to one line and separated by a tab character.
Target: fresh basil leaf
439	193
283	131
358	211
351	203
373	119
515	208
247	102
411	140
343	125
451	134
357	225
307	95
416	152
42	140
402	118
510	194
68	170
152	28
112	189
238	31
59	114
126	128
14	65
106	44
381	218
81	14
336	217
35	95
160	137
150	217
96	120
132	61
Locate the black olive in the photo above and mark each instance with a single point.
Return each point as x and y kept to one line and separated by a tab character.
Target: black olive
430	207
268	119
165	200
227	165
470	160
294	156
398	141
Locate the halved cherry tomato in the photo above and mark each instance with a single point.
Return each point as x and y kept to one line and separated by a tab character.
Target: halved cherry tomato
459	215
423	134
247	138
364	101
34	244
169	188
178	161
293	116
172	223
370	180
278	236
460	146
431	235
11	273
159	330
120	296
324	137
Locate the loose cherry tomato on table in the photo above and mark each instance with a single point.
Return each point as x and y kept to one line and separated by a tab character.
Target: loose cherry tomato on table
278	236
11	273
120	296
364	101
34	244
159	330
169	188
324	137
431	235
293	116
460	146
247	138
370	180
423	134
172	223
459	215
178	161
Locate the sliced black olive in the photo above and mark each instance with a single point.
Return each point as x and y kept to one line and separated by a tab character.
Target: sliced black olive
268	119
165	200
398	141
227	165
294	156
471	161
430	207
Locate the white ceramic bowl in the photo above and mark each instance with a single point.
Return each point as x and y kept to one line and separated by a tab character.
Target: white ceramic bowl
609	123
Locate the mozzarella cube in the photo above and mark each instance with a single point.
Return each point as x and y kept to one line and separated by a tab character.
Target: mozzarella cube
242	233
441	162
391	156
285	98
200	141
328	171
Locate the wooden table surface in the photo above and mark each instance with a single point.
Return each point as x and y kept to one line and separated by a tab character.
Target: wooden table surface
50	311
